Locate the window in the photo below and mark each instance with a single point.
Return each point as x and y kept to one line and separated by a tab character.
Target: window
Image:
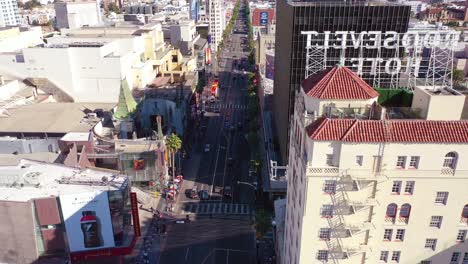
322	255
431	243
326	210
387	234
436	221
414	162
405	210
450	160
441	198
400	234
409	187
359	160
396	187
329	186
391	210
330	159
383	256
401	162
396	256
465	211
324	233
461	235
465	258
455	258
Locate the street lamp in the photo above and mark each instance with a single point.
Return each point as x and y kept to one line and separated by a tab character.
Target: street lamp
247	183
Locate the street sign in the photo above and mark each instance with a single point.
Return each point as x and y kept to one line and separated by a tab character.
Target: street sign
263	18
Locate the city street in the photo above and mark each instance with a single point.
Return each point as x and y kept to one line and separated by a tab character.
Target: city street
220	229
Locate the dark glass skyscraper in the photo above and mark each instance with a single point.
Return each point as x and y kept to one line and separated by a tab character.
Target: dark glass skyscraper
293	17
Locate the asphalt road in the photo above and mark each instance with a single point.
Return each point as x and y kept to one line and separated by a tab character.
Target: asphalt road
226	237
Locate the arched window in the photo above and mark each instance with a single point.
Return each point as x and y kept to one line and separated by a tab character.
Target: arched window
465	211
405	210
391	210
450	160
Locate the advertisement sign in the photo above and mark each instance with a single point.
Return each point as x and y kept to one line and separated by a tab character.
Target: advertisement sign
87	220
208	56
135	216
263	18
270	67
392	58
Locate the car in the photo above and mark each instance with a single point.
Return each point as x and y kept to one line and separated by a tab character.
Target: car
227	191
207	147
204	195
192	193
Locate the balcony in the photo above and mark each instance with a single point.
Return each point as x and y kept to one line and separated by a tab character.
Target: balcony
337	172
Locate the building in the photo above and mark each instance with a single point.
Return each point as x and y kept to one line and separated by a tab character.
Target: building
216	21
184	35
9	14
194	10
416	6
17	38
369	183
293	17
43	205
21	132
77	14
262	19
94	62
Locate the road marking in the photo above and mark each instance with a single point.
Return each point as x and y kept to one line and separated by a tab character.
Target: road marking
186	254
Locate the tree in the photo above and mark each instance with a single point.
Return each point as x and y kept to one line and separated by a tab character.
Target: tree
457	76
32	4
112	7
262	223
173	144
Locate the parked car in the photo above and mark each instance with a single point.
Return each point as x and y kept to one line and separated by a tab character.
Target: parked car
192	193
204	195
227	191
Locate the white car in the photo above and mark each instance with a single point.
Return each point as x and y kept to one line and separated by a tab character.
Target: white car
207	148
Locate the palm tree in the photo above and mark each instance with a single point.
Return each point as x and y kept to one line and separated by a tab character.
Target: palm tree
173	144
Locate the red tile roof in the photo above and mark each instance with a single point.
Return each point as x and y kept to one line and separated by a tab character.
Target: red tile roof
338	83
412	131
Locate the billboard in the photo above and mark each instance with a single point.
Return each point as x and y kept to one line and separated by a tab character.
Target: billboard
208	56
263	18
270	67
135	215
87	220
388	59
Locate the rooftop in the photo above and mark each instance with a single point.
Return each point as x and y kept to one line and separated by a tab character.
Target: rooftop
34	179
338	83
76	136
52	118
411	131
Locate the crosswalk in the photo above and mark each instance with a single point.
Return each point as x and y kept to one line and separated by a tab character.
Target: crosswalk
230	106
216	208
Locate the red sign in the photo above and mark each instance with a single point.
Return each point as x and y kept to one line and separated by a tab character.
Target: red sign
136	217
81	257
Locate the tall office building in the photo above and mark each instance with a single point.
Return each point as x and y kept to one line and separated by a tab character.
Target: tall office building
216	22
9	15
364	188
290	58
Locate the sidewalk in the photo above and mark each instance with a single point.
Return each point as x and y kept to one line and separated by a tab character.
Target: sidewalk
145	224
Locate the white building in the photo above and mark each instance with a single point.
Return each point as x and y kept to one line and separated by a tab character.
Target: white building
362	189
416	6
9	14
77	14
91	67
17	38
216	22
